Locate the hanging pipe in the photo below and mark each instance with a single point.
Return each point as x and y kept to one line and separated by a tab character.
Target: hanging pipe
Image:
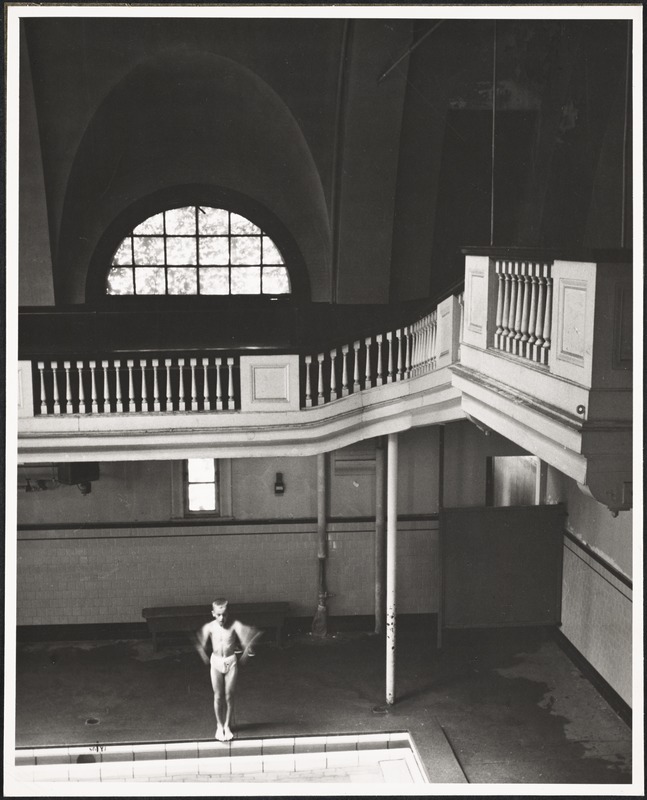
493	136
320	621
380	537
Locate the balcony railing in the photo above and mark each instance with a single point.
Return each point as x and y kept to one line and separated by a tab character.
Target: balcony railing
204	382
524	309
211	381
387	357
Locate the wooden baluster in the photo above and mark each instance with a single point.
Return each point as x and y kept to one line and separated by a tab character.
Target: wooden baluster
320	383
398	377
218	384
230	383
499	304
525	310
413	367
522	306
434	339
427	360
308	362
513	307
378	377
356	386
194	388
407	357
518	309
389	357
79	369
505	316
142	369
43	397
344	370
119	403
181	406
368	380
93	387
68	388
106	388
156	386
532	317
57	401
333	377
206	402
548	314
131	386
169	388
541	305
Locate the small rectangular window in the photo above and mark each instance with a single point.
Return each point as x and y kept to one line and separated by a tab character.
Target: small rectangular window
201	485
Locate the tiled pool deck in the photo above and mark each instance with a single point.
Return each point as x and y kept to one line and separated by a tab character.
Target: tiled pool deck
386	758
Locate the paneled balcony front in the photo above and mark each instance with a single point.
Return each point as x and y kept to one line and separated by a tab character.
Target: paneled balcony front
546	360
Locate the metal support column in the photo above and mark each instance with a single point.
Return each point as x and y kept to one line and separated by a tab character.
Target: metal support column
380	538
391	544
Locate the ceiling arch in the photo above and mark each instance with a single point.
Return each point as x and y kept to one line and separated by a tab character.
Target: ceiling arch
182	118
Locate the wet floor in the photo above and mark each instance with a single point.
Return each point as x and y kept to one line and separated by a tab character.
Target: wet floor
491	707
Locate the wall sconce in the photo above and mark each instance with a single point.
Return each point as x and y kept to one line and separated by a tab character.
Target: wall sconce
279	486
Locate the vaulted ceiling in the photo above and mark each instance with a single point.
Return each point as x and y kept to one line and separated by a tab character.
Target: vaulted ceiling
376	180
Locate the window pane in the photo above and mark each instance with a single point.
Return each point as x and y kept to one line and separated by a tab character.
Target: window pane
124	254
213	221
214	280
241	225
180	250
214	250
182	280
245	249
149	250
120	280
271	253
151	225
150	280
181	220
275	280
245	280
201	470
202	497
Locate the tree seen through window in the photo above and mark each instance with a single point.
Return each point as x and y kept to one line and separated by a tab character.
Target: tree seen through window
197	250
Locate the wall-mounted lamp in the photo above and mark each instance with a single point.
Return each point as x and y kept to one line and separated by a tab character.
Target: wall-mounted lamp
279	486
85	487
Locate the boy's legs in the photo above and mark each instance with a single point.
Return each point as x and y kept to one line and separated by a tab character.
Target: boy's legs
218	685
230	688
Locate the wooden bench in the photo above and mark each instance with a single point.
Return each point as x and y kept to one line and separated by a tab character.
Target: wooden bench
173	619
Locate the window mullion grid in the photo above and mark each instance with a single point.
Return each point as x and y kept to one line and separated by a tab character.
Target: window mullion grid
132	258
229	245
197	250
165	256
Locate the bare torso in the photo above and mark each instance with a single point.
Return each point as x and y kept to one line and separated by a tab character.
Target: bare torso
223	638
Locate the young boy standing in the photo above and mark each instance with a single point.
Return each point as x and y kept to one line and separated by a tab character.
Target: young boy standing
226	636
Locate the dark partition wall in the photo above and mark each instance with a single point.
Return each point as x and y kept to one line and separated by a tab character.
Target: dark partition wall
501	566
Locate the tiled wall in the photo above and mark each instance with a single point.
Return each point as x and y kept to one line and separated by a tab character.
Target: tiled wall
69	577
597	617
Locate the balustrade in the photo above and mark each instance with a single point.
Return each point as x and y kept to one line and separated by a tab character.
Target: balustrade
523	309
373	361
115	386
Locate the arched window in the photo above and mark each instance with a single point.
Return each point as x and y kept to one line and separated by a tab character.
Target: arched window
197	250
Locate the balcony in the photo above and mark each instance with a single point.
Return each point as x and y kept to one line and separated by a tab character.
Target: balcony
252	401
546	360
538	349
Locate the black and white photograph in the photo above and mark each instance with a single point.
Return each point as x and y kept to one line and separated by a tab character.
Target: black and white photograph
324	377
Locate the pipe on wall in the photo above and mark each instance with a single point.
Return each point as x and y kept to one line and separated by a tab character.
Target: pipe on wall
320	621
391	545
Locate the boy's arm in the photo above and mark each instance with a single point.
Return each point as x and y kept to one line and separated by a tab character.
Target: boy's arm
247	635
200	641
